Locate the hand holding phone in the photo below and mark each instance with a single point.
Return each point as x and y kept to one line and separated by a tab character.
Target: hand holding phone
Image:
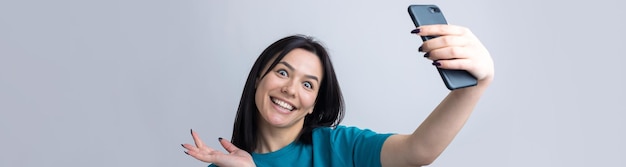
431	14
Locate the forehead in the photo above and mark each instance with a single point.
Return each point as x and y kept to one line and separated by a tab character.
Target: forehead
304	61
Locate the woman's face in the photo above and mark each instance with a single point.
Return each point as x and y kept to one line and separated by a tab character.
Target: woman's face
287	93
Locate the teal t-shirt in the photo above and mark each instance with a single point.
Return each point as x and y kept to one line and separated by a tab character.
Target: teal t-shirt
341	146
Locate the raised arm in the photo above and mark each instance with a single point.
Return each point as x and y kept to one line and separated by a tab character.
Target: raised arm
456	48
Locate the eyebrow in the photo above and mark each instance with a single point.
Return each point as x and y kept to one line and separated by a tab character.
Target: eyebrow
293	69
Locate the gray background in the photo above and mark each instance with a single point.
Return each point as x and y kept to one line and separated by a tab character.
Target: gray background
120	83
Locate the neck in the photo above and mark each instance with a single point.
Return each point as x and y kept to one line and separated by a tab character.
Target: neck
272	138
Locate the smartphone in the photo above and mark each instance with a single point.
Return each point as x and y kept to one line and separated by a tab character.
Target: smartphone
431	14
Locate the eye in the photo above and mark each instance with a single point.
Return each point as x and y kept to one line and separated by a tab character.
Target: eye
282	73
308	85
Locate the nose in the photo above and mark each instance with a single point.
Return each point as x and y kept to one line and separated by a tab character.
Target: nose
289	89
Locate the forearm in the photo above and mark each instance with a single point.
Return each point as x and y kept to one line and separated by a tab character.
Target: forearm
443	124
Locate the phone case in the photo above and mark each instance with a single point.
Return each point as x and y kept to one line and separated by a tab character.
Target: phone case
431	14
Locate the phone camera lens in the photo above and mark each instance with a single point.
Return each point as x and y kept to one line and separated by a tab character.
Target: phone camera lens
434	10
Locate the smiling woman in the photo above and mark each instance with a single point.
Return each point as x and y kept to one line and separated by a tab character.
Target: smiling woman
276	93
281	75
292	105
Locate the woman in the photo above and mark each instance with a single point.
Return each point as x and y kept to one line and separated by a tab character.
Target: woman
291	108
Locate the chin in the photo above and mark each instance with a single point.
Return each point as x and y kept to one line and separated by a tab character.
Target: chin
280	124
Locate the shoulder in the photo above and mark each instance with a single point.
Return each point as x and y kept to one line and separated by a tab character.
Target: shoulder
338	128
350	145
342	132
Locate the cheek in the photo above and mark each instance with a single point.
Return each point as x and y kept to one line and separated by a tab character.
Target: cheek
257	98
308	99
259	93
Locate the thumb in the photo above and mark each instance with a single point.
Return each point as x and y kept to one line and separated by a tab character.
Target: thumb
230	147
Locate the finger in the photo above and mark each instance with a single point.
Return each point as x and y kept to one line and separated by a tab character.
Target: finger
189	147
205	157
442	29
196	139
230	147
205	149
444	41
449	53
455	64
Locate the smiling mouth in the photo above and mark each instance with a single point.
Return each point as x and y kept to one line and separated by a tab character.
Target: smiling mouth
282	104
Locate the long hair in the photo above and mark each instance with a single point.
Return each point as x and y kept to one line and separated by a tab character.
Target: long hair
329	106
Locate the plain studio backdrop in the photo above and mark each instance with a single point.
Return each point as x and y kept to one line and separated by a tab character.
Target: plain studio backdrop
120	83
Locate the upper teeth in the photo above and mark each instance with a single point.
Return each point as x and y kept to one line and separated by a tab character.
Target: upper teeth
282	104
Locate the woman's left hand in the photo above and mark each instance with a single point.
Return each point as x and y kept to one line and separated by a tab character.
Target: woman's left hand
457	48
236	157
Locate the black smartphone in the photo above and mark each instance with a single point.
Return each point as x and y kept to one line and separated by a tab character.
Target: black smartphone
431	14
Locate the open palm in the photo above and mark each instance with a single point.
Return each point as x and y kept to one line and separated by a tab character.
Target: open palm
235	157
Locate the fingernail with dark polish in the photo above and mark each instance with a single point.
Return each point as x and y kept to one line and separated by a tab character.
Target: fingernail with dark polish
220	139
191	131
426	55
435	63
186	152
420	49
415	31
182	145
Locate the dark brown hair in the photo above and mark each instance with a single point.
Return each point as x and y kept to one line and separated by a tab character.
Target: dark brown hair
329	106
